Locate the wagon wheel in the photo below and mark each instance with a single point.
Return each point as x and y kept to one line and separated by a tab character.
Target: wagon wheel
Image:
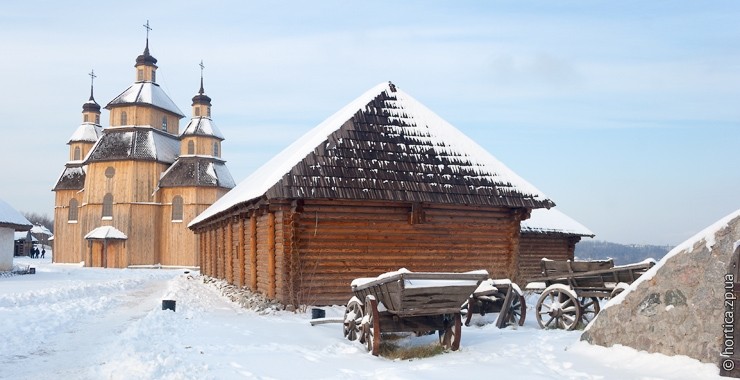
589	308
450	337
467	308
517	311
353	319
371	326
558	308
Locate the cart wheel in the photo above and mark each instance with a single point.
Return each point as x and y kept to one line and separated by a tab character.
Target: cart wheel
467	308
353	319
517	311
372	326
589	308
558	308
450	337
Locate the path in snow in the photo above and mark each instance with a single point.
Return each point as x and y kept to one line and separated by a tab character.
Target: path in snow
67	322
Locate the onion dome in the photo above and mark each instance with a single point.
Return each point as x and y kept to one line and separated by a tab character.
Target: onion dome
201	97
145	58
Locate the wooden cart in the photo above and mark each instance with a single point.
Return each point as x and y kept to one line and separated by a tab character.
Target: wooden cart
419	302
571	290
497	296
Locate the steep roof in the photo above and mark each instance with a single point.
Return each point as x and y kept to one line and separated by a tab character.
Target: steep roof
202	126
137	143
553	221
145	93
86	132
72	178
197	171
11	218
385	145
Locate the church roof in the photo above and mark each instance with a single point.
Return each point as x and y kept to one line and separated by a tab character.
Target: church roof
197	171
11	218
553	221
202	126
145	93
86	132
385	145
72	178
137	143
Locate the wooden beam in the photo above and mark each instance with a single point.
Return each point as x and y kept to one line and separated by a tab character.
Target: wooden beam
253	251
241	278
271	254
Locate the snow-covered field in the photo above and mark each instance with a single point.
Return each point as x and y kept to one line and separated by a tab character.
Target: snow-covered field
68	322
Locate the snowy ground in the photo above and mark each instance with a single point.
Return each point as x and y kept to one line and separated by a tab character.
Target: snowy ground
67	322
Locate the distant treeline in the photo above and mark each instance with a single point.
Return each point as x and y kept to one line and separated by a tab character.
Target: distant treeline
621	253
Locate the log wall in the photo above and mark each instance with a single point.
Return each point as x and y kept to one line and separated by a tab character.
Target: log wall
533	247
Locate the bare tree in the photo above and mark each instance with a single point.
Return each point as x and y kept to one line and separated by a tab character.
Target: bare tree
41	219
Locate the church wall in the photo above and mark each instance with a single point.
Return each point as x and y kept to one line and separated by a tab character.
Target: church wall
203	146
84	148
145	116
68	246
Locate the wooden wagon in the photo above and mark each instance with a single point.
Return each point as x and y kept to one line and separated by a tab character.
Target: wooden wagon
497	296
418	302
571	290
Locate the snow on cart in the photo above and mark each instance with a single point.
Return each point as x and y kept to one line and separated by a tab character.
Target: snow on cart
497	296
404	301
571	290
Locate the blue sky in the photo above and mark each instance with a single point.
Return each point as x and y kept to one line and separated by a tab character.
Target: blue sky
626	114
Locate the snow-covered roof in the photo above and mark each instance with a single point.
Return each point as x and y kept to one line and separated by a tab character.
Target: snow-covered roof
23	235
148	93
86	132
385	145
135	142
202	126
553	221
39	229
72	177
106	232
197	171
11	218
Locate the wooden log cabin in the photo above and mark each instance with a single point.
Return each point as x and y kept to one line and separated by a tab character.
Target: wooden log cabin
547	234
384	183
141	176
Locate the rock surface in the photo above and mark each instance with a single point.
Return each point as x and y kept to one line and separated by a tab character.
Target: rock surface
677	307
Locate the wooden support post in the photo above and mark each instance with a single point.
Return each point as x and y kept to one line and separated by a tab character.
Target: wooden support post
253	251
271	254
241	252
229	251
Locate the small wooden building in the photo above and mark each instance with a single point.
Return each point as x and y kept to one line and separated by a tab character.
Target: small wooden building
384	183
10	222
547	234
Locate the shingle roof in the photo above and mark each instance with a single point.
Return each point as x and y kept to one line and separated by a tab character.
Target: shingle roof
202	126
72	178
197	171
138	143
86	132
385	145
553	221
145	93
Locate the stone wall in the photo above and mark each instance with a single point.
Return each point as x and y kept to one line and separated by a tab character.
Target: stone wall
677	307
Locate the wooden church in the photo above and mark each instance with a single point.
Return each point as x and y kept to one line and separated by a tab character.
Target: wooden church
382	184
129	190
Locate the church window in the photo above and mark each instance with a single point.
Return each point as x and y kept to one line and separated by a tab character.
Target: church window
110	172
72	215
124	118
208	111
197	111
215	149
78	154
164	123
191	147
177	209
154	76
140	75
97	119
85	118
108	206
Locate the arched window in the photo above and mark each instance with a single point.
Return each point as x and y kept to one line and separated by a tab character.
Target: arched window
191	147
97	119
140	75
154	76
108	206
86	117
177	209
215	149
164	123
197	110
72	215
78	154
208	111
124	118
